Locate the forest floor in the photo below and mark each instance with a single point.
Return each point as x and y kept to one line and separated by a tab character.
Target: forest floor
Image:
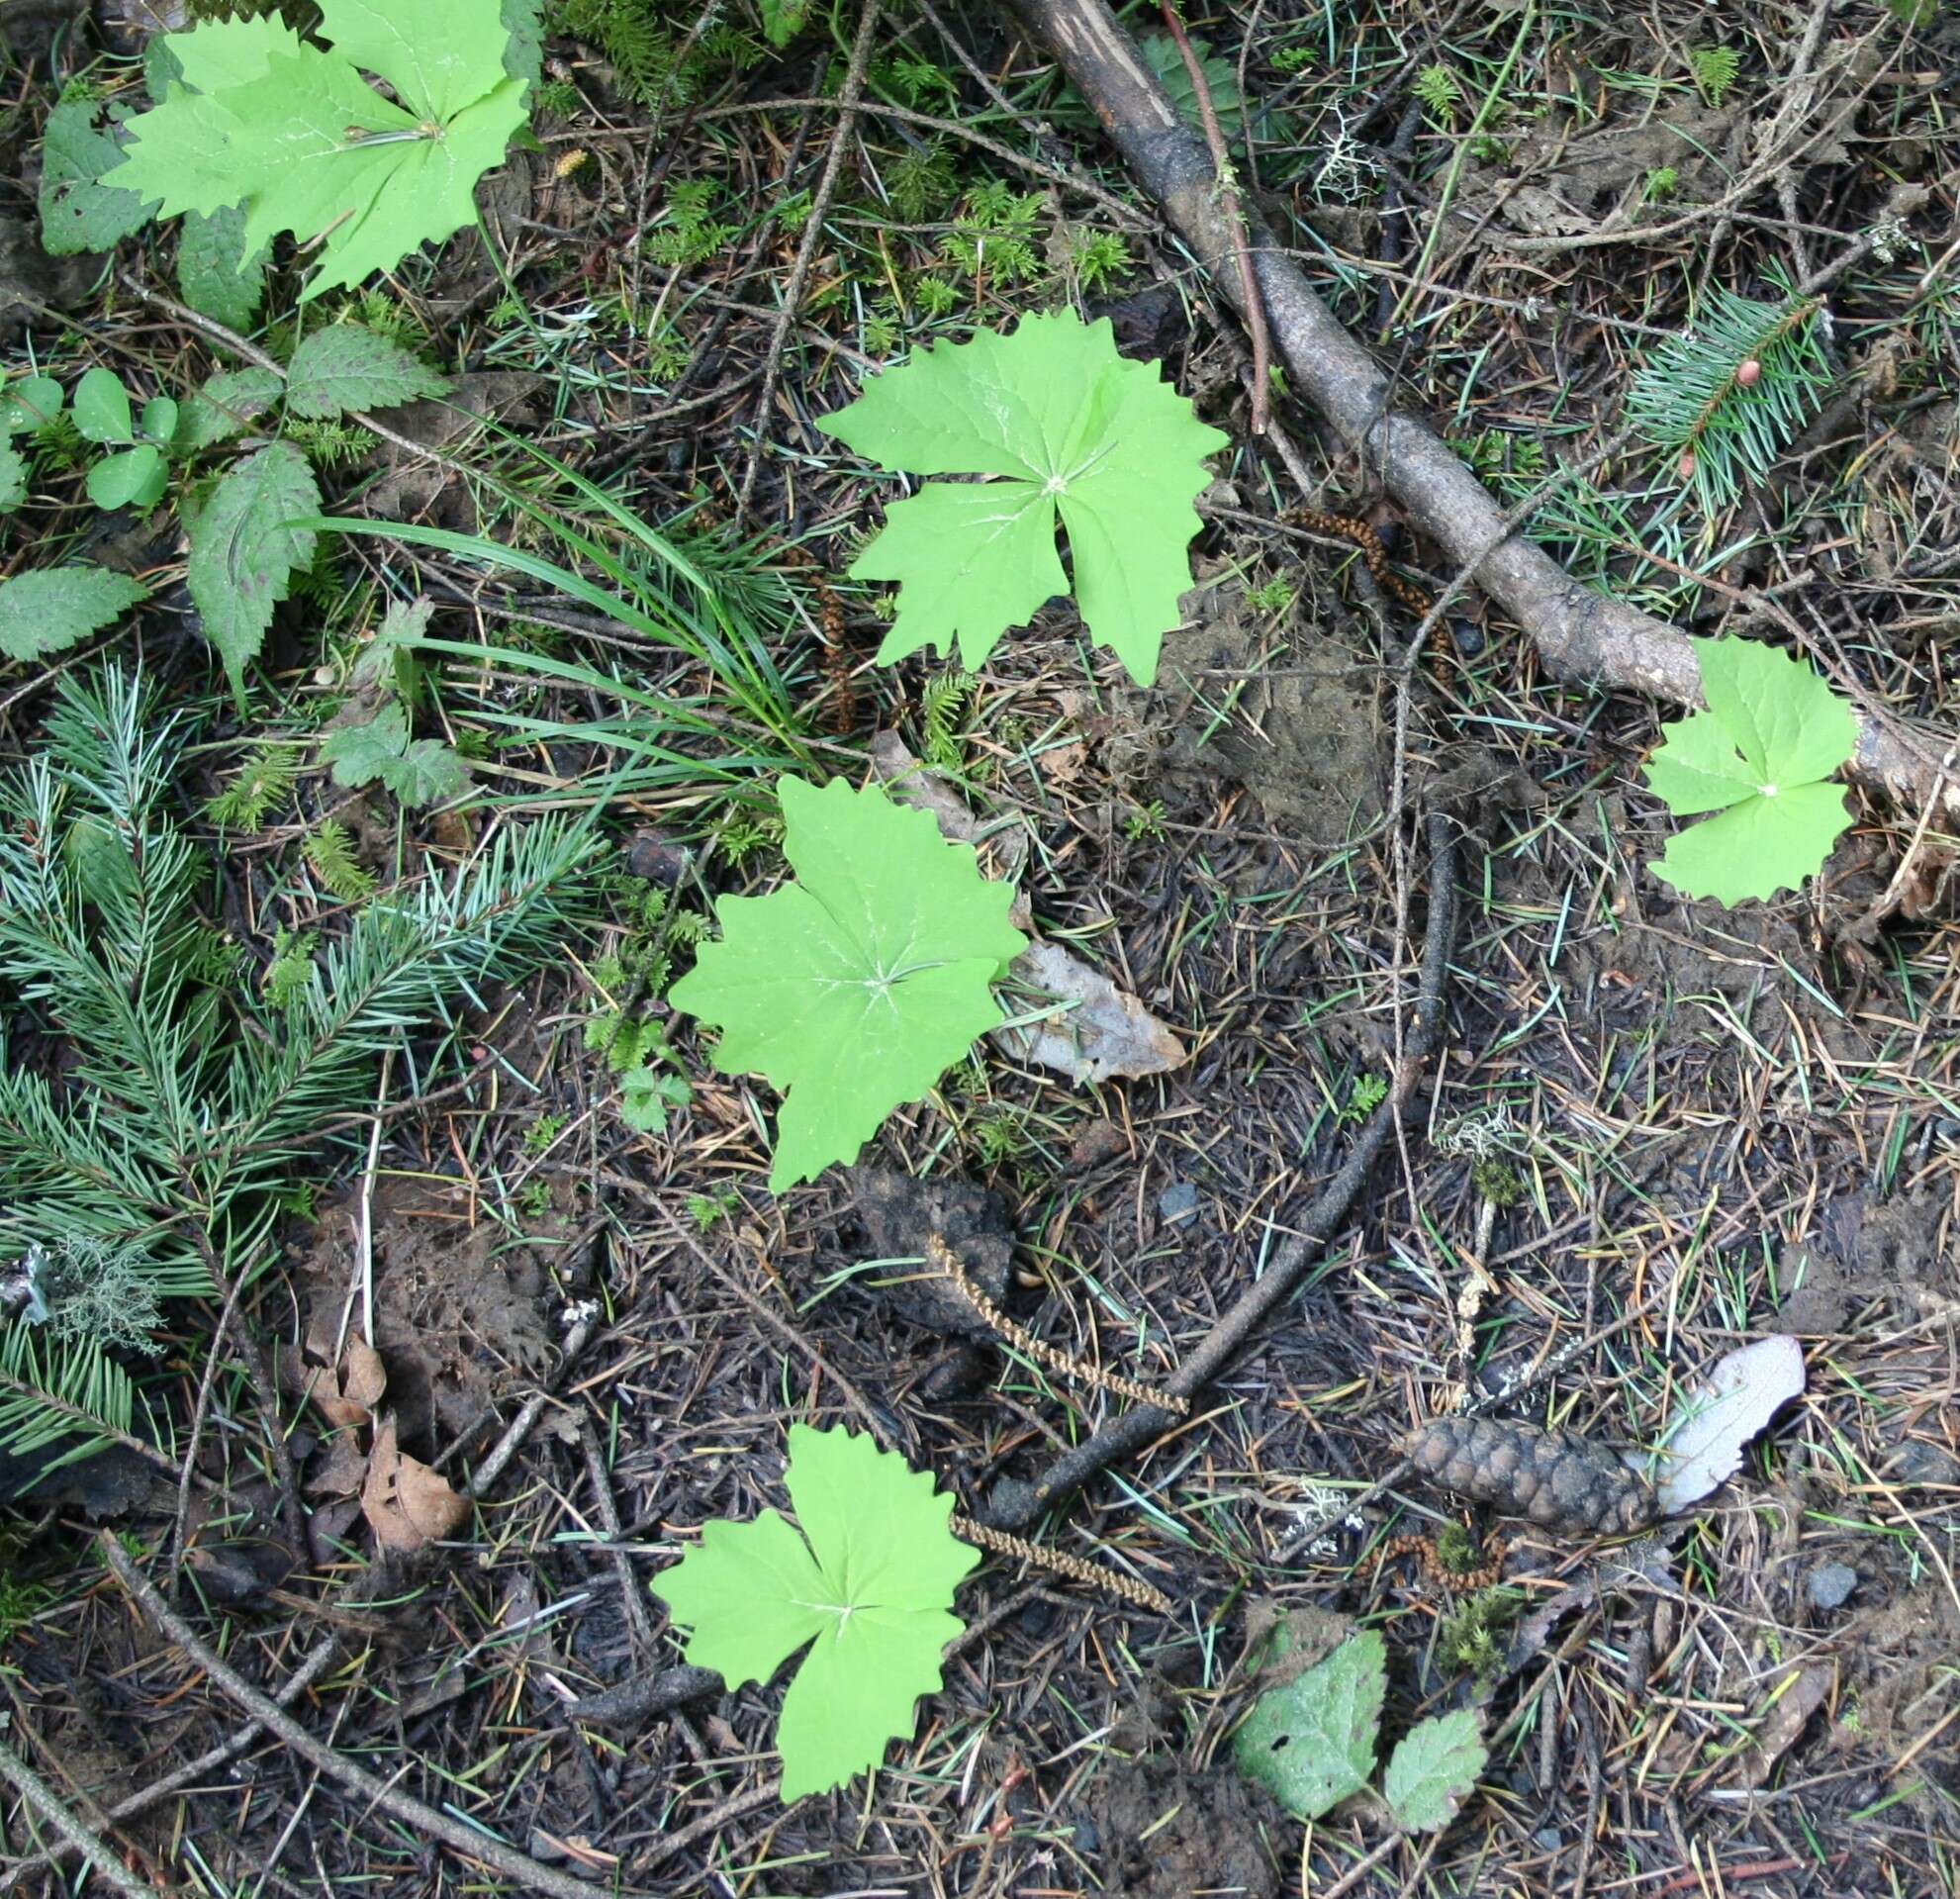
1658	1127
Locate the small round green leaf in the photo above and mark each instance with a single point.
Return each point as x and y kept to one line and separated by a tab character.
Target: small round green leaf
132	480
102	408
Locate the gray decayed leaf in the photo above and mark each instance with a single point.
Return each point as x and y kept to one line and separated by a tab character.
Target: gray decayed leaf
1716	1419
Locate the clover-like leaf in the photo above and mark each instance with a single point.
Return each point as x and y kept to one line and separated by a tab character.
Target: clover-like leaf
296	135
856	988
1064	425
1759	757
1433	1770
1310	1743
864	1581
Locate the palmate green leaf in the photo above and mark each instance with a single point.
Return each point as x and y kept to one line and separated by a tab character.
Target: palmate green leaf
867	1587
1757	757
1066	427
242	555
1310	1743
420	771
856	988
49	609
1433	1770
296	135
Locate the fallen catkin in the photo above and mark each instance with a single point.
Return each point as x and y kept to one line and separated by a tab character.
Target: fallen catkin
1557	1481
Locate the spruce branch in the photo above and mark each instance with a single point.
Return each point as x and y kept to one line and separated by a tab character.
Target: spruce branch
1725	399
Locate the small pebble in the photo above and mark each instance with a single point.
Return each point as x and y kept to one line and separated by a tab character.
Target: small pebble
1177	1203
1830	1584
1550	1837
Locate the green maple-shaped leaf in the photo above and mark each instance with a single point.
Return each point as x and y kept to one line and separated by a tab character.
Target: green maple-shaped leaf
858	987
296	135
1310	1743
1066	427
1433	1770
867	1586
1759	757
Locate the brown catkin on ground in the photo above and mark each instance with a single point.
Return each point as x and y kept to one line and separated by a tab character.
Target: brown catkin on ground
1556	1479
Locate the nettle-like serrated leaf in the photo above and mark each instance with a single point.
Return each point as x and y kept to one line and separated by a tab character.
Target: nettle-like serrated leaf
296	135
421	771
346	366
1066	427
217	278
1759	757
13	479
645	1096
1310	1743
78	213
856	988
50	609
867	1587
227	405
1433	1770
242	555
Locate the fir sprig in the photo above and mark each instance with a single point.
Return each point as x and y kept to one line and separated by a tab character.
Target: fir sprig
189	1098
1725	399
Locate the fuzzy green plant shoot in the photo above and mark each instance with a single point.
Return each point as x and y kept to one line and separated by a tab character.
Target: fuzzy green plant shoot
1062	427
1759	758
857	986
862	1584
294	133
1311	1741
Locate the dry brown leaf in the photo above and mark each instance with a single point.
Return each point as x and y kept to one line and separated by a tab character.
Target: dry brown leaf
348	1393
1105	1032
408	1505
340	1469
1798	1696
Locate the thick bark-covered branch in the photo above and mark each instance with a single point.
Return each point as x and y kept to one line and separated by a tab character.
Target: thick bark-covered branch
1582	636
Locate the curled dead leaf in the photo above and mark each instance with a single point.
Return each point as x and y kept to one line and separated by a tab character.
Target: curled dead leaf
347	1392
1098	1031
1714	1420
1792	1702
408	1504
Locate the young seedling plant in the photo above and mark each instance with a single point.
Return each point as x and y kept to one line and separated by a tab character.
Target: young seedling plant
1062	426
864	1581
856	988
1760	758
1311	1741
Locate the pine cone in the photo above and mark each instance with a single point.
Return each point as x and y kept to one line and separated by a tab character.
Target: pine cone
1556	1479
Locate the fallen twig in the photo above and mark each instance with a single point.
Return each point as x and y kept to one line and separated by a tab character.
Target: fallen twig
1581	635
472	1843
1015	1505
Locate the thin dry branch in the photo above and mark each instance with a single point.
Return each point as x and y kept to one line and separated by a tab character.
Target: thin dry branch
1581	637
1015	1505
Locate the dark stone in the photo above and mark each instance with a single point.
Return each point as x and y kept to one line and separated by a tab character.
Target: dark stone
1830	1584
